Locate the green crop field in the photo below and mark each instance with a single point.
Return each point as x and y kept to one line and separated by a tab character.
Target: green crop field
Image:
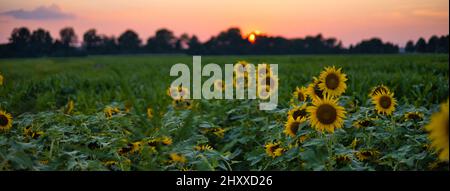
113	113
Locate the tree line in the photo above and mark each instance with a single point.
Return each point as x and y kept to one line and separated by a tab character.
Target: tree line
37	43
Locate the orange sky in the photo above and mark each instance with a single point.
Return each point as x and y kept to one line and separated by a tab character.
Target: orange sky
348	20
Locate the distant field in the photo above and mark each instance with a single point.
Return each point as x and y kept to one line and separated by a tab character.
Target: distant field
36	92
95	81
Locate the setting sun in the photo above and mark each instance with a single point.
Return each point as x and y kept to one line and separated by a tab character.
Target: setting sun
252	38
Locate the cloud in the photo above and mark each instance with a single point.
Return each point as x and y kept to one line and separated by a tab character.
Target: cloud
52	12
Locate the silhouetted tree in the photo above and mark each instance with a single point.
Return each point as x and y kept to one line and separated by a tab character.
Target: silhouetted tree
443	44
129	42
195	46
91	41
410	47
421	45
182	43
68	37
433	44
20	41
374	46
41	42
163	42
228	42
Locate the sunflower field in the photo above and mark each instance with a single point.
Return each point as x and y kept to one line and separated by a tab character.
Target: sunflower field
353	113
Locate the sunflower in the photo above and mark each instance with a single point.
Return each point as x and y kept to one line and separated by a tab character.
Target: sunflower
182	103
242	80
240	71
264	70
384	102
5	120
205	147
314	91
299	95
292	125
135	147
271	82
326	114
379	89
274	149
166	140
264	94
332	81
1	80
414	116
219	85
362	123
110	111
298	112
177	158
366	154
219	132
178	92
342	159
438	131
69	107
149	112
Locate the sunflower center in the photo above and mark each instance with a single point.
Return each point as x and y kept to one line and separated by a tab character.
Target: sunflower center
332	81
273	148
300	97
326	114
385	102
294	127
3	120
299	113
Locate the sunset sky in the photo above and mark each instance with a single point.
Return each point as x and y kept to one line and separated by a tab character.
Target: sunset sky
348	20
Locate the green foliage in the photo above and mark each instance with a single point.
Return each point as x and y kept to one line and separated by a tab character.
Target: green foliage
43	137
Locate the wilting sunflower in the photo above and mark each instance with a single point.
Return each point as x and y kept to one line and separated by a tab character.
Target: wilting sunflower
298	112
342	159
314	91
379	89
300	94
5	120
326	114
438	131
204	147
149	112
274	149
69	107
292	125
414	116
177	158
384	102
362	123
332	81
367	154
